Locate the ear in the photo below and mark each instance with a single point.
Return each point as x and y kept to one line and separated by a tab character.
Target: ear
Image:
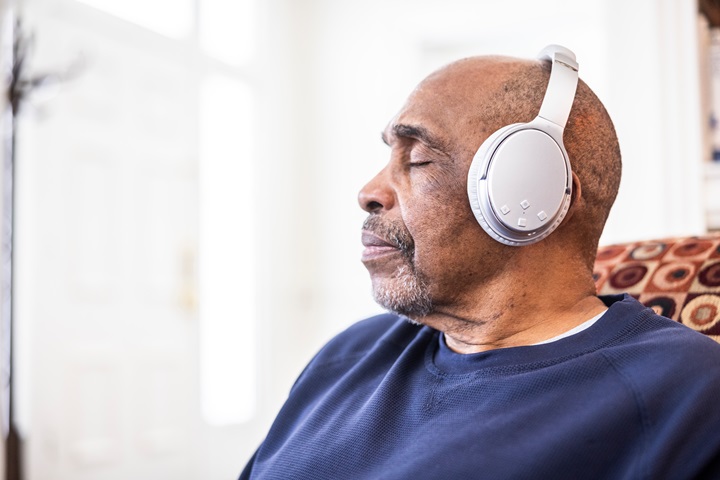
576	198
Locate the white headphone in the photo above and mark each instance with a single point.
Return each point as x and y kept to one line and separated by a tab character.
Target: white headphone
520	181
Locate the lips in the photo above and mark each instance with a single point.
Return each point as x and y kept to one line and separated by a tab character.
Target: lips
376	246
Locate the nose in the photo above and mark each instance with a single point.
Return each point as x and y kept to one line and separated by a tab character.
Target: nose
377	194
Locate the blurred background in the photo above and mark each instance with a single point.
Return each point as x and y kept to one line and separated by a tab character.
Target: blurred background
186	225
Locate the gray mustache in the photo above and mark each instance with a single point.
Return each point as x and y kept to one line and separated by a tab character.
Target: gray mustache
395	234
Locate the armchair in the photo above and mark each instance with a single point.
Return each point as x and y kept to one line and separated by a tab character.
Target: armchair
678	278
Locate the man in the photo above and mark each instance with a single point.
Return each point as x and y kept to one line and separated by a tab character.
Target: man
510	366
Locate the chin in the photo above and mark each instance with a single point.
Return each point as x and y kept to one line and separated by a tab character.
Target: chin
404	293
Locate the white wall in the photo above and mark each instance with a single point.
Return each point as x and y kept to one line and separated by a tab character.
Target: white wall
653	96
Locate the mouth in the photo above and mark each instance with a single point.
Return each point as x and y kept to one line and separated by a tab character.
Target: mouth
376	247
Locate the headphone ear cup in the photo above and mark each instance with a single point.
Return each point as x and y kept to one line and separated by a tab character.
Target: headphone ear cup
519	184
478	167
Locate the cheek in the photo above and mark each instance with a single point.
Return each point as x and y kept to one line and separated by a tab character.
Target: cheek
439	208
442	227
438	216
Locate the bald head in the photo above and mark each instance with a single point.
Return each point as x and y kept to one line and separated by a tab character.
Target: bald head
484	94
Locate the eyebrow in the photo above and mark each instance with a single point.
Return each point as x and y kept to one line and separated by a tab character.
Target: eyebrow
416	132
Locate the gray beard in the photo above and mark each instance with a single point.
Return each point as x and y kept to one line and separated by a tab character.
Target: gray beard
405	294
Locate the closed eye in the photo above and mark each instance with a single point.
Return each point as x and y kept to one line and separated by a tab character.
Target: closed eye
419	163
421	155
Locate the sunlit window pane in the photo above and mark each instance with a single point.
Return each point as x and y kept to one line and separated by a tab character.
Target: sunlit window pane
173	18
227	29
226	266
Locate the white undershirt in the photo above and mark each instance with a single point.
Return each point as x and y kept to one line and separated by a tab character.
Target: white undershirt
574	330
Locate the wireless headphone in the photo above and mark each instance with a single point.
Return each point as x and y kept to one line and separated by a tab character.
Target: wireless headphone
520	181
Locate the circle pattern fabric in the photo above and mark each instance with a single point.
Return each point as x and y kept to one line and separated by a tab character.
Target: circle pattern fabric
628	276
648	251
703	314
613	252
664	306
674	276
710	275
678	278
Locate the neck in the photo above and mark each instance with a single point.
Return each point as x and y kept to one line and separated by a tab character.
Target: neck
510	312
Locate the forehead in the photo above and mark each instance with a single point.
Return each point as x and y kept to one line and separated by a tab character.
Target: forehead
449	102
427	115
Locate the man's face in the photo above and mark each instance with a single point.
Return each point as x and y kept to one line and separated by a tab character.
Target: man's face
423	247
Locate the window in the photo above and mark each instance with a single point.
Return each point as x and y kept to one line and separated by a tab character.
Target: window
226	267
224	32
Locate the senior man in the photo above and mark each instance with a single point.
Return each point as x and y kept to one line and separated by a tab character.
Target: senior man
499	360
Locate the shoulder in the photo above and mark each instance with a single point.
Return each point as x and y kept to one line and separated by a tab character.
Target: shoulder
673	375
374	340
652	331
657	349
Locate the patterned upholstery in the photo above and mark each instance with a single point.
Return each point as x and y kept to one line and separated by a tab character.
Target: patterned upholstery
678	278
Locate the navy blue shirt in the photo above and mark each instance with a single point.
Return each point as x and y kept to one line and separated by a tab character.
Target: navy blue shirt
635	396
